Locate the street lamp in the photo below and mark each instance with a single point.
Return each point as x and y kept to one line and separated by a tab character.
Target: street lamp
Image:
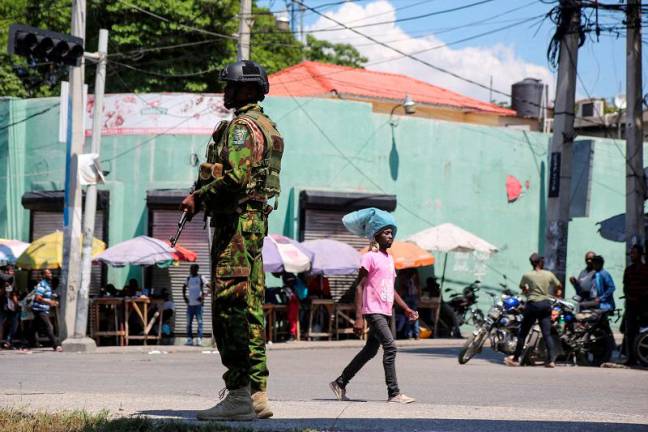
409	106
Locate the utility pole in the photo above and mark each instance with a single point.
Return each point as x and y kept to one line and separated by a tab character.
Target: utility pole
71	274
560	158
81	341
635	184
302	36
245	16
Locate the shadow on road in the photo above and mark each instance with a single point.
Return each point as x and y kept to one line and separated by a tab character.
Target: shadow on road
405	424
487	354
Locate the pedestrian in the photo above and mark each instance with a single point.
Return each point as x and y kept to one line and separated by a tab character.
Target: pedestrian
9	307
584	283
635	289
604	285
412	290
374	299
292	284
234	185
195	284
41	306
536	286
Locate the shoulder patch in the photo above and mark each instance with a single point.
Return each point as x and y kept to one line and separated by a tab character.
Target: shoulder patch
239	135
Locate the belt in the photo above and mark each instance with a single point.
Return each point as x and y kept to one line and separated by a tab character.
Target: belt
255	205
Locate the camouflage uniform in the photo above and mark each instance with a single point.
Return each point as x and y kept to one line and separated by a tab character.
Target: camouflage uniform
237	203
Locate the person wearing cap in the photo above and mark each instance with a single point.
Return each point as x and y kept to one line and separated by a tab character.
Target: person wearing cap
234	185
537	286
374	299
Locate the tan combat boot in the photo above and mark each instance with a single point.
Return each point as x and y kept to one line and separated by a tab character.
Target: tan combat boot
261	406
236	406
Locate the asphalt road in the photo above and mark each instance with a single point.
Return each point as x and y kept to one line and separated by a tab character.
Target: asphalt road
481	396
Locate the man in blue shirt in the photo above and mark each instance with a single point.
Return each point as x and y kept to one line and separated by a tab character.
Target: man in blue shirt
604	285
41	307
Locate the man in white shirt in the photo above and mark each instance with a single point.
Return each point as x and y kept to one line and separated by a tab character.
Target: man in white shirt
196	285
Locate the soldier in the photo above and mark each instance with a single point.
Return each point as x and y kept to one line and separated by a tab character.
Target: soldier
234	185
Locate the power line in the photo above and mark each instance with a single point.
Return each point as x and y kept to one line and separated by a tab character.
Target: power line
400	8
398	20
404	54
140	51
188	27
31	116
162	75
487	21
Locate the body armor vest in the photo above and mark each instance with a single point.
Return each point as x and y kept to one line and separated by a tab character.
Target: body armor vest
264	179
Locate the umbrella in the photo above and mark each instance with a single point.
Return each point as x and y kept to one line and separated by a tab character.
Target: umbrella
47	252
183	254
284	254
408	255
142	250
332	257
450	238
10	250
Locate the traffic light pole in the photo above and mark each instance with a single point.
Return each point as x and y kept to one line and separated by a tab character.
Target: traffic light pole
635	184
70	272
90	209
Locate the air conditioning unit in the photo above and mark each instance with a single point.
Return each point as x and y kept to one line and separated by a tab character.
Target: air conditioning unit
590	108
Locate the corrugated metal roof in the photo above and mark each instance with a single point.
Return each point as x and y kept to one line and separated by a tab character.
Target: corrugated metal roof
320	79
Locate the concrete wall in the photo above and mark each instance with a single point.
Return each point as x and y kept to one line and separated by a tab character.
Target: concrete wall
440	172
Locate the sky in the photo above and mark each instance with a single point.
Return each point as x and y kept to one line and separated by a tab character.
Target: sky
516	47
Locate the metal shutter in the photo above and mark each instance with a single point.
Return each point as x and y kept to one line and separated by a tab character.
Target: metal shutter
327	224
164	224
46	222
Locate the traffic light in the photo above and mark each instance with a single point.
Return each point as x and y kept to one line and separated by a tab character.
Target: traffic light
45	45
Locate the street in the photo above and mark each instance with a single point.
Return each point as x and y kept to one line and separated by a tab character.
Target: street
484	395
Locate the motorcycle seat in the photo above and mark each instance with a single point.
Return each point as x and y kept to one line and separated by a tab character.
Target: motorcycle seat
589	315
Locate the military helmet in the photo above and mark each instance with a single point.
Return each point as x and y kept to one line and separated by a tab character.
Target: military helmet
246	71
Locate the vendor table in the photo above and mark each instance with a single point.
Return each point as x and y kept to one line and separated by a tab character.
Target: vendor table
112	305
272	323
140	305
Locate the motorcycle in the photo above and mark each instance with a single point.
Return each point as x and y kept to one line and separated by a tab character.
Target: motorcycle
463	307
641	345
501	326
582	337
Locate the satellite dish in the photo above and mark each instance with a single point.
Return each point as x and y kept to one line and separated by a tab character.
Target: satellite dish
620	102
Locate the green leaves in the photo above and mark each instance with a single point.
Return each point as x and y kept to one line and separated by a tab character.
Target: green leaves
161	45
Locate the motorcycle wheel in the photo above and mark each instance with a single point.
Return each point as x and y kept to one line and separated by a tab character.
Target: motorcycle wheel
472	346
533	350
641	348
597	349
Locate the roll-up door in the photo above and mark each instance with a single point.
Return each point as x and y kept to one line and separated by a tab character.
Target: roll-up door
46	222
327	224
163	224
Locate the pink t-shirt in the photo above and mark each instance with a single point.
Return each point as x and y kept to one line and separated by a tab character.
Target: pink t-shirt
378	293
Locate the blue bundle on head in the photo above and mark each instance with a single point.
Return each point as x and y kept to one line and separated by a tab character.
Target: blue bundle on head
369	222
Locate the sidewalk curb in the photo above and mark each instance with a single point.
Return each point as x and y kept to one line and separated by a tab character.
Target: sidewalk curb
281	346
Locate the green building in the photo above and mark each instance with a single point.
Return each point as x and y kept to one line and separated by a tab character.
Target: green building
339	155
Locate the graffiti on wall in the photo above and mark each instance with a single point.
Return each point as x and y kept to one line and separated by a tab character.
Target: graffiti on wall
159	113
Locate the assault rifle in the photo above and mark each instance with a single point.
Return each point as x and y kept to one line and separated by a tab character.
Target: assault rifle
181	223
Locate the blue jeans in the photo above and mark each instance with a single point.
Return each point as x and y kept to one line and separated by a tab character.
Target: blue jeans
194	311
